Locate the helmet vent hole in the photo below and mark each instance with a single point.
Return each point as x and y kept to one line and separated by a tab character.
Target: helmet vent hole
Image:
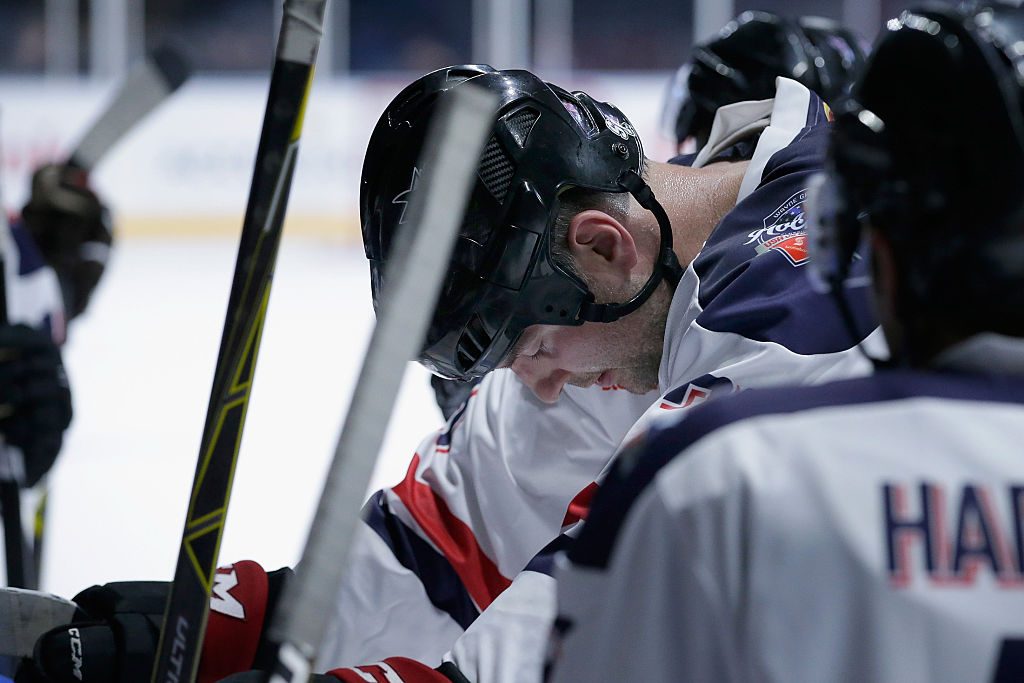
473	342
496	169
521	123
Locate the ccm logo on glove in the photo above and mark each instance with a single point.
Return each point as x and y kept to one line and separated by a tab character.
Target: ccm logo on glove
75	639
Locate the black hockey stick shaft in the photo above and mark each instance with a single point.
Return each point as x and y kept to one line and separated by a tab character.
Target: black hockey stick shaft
17	551
188	605
19	566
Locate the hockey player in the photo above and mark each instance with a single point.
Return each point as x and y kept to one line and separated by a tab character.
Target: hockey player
597	290
743	62
869	529
53	256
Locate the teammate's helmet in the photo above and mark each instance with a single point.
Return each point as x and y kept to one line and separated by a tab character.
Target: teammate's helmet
503	276
930	151
743	62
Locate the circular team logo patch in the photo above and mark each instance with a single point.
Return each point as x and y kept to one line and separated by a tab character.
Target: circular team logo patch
784	231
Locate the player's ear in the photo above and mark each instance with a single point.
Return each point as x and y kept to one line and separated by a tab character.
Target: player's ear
601	246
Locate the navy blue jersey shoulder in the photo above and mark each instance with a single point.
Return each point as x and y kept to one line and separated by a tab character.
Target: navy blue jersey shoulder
751	270
638	465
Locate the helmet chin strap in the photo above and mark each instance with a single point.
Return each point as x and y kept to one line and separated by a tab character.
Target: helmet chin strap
665	268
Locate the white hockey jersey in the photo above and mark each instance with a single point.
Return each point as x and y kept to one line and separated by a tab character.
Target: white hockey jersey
31	287
484	496
864	530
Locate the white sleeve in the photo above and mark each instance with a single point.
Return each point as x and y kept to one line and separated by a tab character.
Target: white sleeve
481	498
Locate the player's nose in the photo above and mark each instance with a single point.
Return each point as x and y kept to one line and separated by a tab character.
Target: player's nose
545	383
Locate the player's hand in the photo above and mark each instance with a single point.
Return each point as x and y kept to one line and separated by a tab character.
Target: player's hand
72	229
114	635
35	401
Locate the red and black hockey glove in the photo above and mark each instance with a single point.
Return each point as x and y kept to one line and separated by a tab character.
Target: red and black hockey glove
391	670
113	635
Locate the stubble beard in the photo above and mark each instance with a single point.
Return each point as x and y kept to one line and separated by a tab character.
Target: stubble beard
638	344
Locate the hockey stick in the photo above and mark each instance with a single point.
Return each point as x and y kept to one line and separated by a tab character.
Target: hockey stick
413	283
20	566
17	552
147	85
188	605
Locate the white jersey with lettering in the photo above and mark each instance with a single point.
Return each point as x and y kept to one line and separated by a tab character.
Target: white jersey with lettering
865	530
450	560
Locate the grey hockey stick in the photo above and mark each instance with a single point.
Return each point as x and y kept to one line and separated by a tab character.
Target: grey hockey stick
147	85
422	250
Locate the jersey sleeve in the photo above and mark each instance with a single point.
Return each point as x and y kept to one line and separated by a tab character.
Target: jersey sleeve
480	499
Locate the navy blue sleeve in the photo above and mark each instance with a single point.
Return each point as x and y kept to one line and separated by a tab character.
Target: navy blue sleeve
751	270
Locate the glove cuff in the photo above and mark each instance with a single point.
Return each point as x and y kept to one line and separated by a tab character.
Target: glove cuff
238	608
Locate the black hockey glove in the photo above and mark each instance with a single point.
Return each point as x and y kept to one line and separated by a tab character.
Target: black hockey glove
113	635
72	229
35	402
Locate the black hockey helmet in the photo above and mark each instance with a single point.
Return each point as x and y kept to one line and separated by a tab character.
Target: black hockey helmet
503	276
930	150
743	62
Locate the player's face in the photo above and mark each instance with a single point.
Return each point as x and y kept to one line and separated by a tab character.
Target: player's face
624	354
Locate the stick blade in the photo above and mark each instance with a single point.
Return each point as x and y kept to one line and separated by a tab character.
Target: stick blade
24	616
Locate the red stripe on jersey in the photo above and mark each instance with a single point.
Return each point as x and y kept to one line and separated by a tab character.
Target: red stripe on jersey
407	670
376	672
452	537
580	505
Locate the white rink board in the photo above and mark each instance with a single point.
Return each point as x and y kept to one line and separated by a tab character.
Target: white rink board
193	155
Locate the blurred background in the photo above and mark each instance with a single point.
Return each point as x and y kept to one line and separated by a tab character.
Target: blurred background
141	359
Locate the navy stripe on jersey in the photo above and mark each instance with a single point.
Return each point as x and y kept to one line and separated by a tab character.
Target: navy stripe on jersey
443	587
752	280
29	257
639	464
544	561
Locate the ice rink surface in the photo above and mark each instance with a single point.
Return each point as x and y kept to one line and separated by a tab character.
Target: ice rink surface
141	363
